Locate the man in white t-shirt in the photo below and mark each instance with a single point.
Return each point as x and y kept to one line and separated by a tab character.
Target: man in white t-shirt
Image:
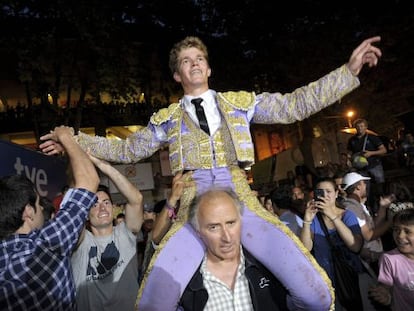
105	264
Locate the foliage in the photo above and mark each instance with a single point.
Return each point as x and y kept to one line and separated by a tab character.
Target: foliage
121	47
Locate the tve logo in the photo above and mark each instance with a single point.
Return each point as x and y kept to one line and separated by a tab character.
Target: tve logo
37	175
48	173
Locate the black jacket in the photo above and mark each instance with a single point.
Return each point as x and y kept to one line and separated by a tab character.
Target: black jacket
264	298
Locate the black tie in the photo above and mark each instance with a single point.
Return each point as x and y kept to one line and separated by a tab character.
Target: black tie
200	114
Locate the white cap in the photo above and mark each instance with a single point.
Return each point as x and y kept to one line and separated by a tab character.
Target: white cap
352	178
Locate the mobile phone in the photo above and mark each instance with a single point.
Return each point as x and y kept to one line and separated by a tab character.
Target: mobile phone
318	194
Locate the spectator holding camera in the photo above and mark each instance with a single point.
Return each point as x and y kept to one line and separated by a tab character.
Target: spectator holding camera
341	224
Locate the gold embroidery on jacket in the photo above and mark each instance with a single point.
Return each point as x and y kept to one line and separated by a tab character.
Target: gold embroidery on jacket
165	114
238	126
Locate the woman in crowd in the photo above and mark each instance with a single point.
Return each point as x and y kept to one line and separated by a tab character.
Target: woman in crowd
342	226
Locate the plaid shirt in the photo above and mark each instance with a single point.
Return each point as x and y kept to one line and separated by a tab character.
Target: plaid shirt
220	297
35	271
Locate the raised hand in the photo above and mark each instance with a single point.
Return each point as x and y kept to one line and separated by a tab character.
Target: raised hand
51	144
365	53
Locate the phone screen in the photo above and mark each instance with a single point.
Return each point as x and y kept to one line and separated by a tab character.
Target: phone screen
319	193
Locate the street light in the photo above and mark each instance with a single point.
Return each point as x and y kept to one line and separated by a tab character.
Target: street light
349	115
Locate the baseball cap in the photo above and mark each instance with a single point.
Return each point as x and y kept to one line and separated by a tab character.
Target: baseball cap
352	178
148	207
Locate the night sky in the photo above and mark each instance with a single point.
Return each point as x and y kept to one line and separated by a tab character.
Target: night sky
262	45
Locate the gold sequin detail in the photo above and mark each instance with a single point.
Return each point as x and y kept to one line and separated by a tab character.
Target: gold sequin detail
241	100
135	147
165	114
175	138
239	127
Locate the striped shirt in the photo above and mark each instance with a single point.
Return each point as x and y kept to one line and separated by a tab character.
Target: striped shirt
35	271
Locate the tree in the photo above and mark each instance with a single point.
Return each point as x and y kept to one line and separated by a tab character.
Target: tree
83	47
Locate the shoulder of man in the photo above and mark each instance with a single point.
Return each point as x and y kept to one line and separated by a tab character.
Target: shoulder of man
352	205
240	100
267	292
376	140
165	114
195	294
353	140
251	261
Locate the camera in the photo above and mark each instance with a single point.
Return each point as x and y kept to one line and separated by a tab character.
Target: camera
318	194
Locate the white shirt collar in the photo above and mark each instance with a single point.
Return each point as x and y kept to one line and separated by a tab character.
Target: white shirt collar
208	98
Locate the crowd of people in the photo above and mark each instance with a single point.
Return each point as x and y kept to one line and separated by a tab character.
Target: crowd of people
213	244
365	235
21	117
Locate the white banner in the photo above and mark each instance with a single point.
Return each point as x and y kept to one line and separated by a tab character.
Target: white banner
139	174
